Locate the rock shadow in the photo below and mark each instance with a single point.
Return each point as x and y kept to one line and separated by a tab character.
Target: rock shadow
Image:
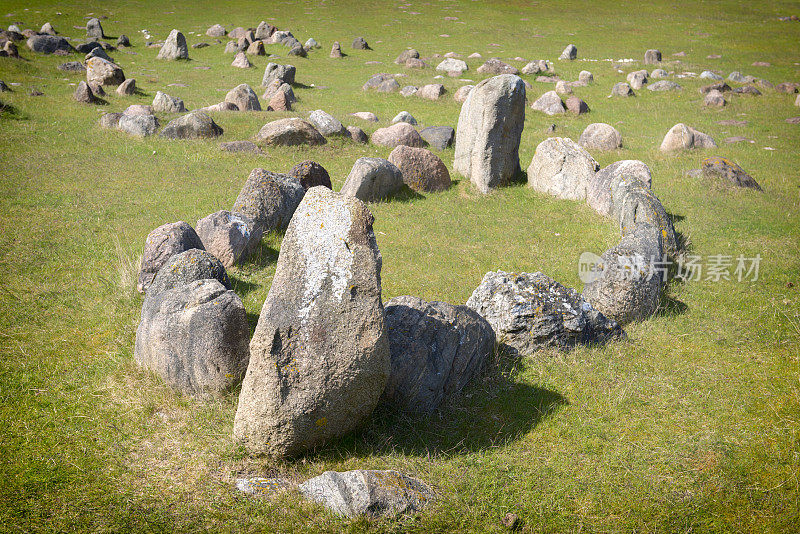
405	194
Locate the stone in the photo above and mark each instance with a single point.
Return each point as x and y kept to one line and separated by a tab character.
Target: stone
531	311
436	349
48	44
311	44
725	169
138	125
714	99
397	134
422	169
237	33
682	137
94	29
217	30
664	85
376	81
577	106
652	57
289	132
431	91
244	97
222	106
600	136
256	48
585	77
409	90
622	89
280	102
240	146
241	61
737	77
366	116
264	31
474	55
187	267
637	79
569	53
298	51
360	44
127	88
174	47
10	49
326	123
561	168
47	29
374	494
161	244
787	87
97	52
562	88
721	87
84	94
273	71
163	103
310	174
138	109
269	199
747	90
439	137
232	48
336	50
230	237
531	68
276	86
488	133
709	75
372	179
495	66
512	521
549	103
194	125
452	65
388	86
415	64
195	337
659	73
264	487
110	120
598	191
319	357
462	93
358	135
633	204
405	55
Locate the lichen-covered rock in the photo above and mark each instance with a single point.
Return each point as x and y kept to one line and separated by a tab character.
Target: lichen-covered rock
549	103
311	174
637	79
431	91
240	61
652	57
269	199
489	130
436	349
94	29
600	136
127	88
138	125
664	85
530	311
336	50
375	494
622	89
101	72
217	30
186	267
585	77
277	86
289	132
326	123
231	237
264	30
164	103
495	66
84	94
633	203
256	48
569	53
174	47
397	134
422	169
452	65
598	192
319	357
372	179
273	71
439	137
561	168
194	125
195	336
714	99
110	120
163	243
725	169
405	55
244	97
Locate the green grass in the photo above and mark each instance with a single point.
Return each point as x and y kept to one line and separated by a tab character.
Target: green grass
693	424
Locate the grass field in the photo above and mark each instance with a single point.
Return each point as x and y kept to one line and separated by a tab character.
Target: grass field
693	424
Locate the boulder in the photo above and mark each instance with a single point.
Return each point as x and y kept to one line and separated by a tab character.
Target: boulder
664	85
232	48
415	64
326	123
462	93
230	237
366	116
788	87
682	137
376	80
110	120
549	103
194	125
451	65
720	87
336	50
297	50
359	43
280	101
163	103
94	30
217	30
598	192
652	57
310	174
637	79
489	130
311	44
264	31
187	267
577	106
138	125
737	77
269	199
562	88
422	169
401	133
439	137
747	90
47	29
707	74
241	61
319	357
289	132
372	179
84	94
101	72
256	48
222	106
495	66
273	71
409	90
9	49
237	33
561	168
659	73
161	244
531	311
174	47
358	135
97	52
404	116
722	168
431	91
405	55
600	136
569	53
714	99
123	41
622	89
276	86
531	68
195	336
244	97
127	88
436	349
585	77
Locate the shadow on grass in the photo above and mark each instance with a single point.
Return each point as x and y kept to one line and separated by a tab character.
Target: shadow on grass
11	112
263	256
405	194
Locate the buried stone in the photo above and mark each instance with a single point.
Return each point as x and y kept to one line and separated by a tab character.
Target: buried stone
731	173
195	125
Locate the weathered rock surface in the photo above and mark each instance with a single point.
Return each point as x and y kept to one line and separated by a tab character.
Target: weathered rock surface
217	30
289	132
725	169
397	134
359	43
577	106
326	123
101	72
431	91
187	267
137	125
462	93
164	103
664	85
452	65
633	203
637	79
94	29
652	57
405	55
284	73
561	168
549	103
682	137
404	116
598	192
358	135
161	244
422	169
600	136
439	137
244	97
174	47
495	66
714	99
194	125
84	94
319	357
127	88
241	61
269	199
569	53
311	174
231	237
622	89
372	179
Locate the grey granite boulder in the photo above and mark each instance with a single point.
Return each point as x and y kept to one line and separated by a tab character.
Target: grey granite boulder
549	103
561	168
319	357
405	55
622	89
264	31
161	244
244	97
452	65
194	125
682	137
289	132
359	43
664	85
84	94
439	137
489	130
432	91
326	124
569	53
101	72
231	237
495	66
637	79
598	192
311	174
633	203
269	199
94	30
372	179
174	47
397	134
127	88
404	116
137	125
436	349
652	57
273	71
217	30
600	136
164	103
187	267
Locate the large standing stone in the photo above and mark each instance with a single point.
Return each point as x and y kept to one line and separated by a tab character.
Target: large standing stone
336	50
569	53
530	311
598	192
167	104
269	199
231	237
174	47
284	73
372	179
489	131
84	94
289	132
375	494
163	243
94	30
600	136
401	133
422	169
311	174
439	137
319	358
326	123
633	203
194	125
652	57
725	169
561	168
195	336
100	72
549	103
244	97
436	350
264	30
